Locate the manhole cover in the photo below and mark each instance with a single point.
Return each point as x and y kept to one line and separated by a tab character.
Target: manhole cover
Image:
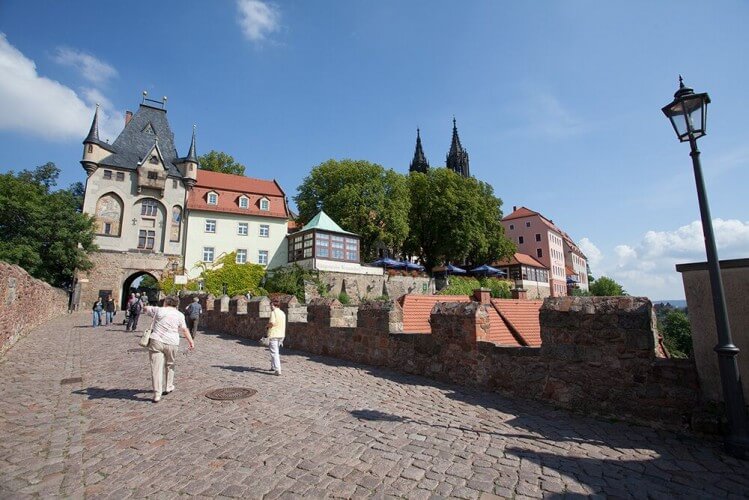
230	393
73	380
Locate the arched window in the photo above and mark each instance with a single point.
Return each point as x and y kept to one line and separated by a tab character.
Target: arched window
109	215
149	207
176	223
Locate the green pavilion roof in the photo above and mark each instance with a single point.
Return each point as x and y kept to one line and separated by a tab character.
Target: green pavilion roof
323	222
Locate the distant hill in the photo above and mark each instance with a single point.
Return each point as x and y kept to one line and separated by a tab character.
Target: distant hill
674	302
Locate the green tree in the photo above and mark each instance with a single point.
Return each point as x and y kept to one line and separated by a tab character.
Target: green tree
606	287
43	231
238	278
217	161
677	333
290	280
455	219
363	198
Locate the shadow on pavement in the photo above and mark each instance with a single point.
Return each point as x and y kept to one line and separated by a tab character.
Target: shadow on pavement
100	393
241	369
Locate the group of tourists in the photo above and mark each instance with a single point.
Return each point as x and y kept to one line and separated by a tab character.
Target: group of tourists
168	323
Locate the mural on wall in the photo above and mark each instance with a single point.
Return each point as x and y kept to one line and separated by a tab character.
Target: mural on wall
176	223
109	215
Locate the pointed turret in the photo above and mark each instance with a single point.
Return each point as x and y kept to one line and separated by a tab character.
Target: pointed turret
93	133
191	156
189	164
419	162
457	158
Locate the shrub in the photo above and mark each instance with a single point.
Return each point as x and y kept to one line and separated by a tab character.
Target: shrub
290	280
677	334
343	298
500	289
239	278
460	286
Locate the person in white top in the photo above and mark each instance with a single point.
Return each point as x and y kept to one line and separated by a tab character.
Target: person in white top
276	334
163	345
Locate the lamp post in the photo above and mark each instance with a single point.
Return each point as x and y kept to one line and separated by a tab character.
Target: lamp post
688	113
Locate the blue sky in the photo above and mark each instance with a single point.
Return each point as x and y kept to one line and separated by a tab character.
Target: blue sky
557	103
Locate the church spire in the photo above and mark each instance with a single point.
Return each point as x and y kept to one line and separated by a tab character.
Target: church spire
419	163
457	158
93	133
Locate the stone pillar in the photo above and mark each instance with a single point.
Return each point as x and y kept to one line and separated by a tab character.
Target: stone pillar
222	304
238	305
519	293
696	278
482	295
456	328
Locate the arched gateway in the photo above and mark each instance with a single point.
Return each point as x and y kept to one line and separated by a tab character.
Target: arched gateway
139	282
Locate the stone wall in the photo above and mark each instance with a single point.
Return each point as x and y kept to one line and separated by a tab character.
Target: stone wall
600	355
360	286
25	303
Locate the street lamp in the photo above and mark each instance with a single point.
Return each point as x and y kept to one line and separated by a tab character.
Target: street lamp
688	115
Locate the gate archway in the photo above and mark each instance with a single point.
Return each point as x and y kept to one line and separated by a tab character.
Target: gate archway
134	283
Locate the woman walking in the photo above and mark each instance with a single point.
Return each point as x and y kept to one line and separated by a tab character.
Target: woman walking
97	309
168	323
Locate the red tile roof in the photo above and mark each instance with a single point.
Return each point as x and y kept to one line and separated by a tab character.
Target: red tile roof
523	317
230	188
520	315
519	258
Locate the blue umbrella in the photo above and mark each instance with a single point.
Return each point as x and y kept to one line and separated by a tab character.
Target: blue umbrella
487	271
411	266
388	262
454	269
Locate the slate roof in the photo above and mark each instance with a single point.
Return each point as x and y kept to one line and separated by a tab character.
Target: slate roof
134	142
510	320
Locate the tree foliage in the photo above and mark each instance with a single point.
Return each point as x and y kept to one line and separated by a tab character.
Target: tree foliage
455	219
43	231
677	333
606	287
363	198
465	285
217	161
290	280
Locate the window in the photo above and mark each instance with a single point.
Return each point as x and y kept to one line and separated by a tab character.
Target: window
264	230
210	226
174	183
264	204
107	174
153	175
512	227
244	202
212	199
336	244
241	256
352	249
527	224
176	225
538	237
120	176
539	252
520	240
149	208
90	148
262	257
146	239
322	244
153	160
242	229
107	228
207	254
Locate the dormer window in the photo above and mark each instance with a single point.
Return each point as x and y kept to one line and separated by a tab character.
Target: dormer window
212	198
244	202
153	160
153	175
264	204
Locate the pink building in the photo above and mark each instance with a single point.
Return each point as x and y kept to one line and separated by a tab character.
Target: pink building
540	238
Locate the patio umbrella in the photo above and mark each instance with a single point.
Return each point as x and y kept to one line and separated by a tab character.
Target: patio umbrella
450	269
411	266
485	270
388	262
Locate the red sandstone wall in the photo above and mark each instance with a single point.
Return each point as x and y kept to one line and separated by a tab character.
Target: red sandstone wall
25	303
599	354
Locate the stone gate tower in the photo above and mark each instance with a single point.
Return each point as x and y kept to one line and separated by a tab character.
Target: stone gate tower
136	190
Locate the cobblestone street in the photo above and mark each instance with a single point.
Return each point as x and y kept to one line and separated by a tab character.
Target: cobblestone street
325	428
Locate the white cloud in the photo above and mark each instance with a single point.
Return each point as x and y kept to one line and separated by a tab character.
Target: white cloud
649	268
258	19
591	251
546	115
91	68
39	106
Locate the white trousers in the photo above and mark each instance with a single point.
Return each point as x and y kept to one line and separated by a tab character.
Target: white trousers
163	357
275	356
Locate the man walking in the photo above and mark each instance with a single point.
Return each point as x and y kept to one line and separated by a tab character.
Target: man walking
194	310
134	313
276	334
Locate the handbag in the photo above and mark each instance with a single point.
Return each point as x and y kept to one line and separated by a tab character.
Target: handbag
265	341
146	337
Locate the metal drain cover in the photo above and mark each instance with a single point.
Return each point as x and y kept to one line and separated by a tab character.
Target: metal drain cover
73	380
230	393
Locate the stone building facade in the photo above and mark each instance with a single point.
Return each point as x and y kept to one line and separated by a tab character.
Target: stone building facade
136	190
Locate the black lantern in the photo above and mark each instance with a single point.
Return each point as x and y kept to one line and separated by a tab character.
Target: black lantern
175	265
688	113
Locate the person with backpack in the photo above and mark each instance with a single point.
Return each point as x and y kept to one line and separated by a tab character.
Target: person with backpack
136	307
97	309
194	311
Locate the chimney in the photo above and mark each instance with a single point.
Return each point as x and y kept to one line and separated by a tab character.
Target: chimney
514	207
128	116
519	294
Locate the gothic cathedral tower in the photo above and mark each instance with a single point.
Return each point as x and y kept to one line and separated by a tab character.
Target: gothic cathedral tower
457	158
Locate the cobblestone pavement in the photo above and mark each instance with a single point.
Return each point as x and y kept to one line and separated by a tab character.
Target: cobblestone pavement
325	428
